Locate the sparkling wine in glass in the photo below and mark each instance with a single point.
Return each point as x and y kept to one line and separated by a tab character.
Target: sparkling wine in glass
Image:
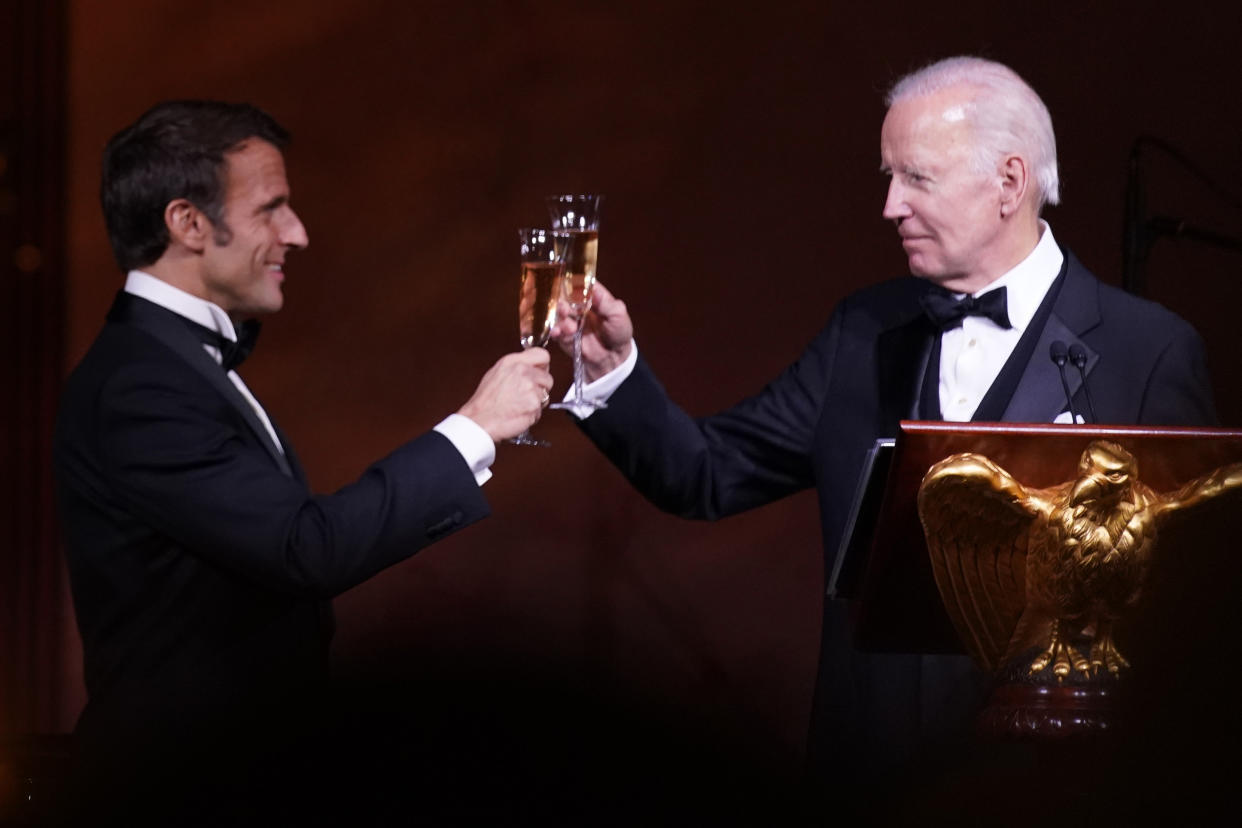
578	215
540	290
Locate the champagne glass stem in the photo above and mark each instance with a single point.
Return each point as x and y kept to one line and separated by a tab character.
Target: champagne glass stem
578	369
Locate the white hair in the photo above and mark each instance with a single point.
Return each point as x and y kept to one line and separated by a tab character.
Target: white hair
1004	113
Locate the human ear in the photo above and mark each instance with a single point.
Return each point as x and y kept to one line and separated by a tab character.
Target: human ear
1013	184
187	226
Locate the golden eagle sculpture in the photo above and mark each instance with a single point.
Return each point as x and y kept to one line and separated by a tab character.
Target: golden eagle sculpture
1024	569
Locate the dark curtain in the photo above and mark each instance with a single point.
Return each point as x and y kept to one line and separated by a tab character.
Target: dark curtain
32	594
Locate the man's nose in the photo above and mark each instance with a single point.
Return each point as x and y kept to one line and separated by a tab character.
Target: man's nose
895	206
293	232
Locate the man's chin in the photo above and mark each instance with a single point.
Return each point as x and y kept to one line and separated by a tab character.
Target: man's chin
922	271
274	302
268	306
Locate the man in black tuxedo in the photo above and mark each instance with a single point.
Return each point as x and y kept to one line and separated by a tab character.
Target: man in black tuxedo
201	564
971	157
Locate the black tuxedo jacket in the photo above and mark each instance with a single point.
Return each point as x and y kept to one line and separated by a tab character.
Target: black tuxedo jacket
201	564
813	424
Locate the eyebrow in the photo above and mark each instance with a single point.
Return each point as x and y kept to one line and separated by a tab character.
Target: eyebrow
904	169
272	204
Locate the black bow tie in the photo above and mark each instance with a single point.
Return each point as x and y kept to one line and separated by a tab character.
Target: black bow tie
947	313
232	354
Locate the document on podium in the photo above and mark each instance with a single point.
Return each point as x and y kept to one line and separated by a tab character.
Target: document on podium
851	559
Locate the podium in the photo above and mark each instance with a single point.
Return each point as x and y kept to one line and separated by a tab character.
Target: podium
898	606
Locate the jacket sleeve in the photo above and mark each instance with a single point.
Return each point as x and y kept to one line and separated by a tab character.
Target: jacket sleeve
750	454
180	459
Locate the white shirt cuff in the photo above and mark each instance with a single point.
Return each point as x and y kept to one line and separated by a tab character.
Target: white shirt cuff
601	389
474	444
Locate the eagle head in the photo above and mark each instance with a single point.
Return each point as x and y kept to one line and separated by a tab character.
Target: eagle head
1105	473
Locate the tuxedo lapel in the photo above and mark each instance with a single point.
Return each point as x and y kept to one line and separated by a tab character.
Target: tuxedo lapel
1040	396
291	457
901	361
167	327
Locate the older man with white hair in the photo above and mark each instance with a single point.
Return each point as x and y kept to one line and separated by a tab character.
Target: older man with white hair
970	153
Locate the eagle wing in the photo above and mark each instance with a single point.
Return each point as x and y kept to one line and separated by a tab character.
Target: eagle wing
977	518
1221	481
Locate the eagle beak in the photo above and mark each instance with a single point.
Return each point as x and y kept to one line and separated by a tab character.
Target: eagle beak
1087	488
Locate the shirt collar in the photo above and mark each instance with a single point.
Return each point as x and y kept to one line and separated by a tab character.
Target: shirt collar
1029	280
207	314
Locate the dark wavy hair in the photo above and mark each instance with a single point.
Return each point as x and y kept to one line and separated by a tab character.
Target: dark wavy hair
177	149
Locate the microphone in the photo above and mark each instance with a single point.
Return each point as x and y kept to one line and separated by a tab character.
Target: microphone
1078	356
1060	356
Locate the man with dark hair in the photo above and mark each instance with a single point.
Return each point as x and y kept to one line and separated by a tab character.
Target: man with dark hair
969	150
201	564
176	150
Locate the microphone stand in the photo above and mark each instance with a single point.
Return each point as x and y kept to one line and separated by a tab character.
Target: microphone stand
1140	233
1158	226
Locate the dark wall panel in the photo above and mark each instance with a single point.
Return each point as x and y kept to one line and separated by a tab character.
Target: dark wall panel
33	619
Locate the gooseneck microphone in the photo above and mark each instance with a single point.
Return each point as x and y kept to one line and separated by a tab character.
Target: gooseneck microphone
1078	356
1060	356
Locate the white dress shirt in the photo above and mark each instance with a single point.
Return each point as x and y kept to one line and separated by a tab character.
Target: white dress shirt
470	440
971	356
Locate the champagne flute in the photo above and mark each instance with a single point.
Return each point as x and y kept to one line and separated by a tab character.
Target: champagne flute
538	295
579	216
